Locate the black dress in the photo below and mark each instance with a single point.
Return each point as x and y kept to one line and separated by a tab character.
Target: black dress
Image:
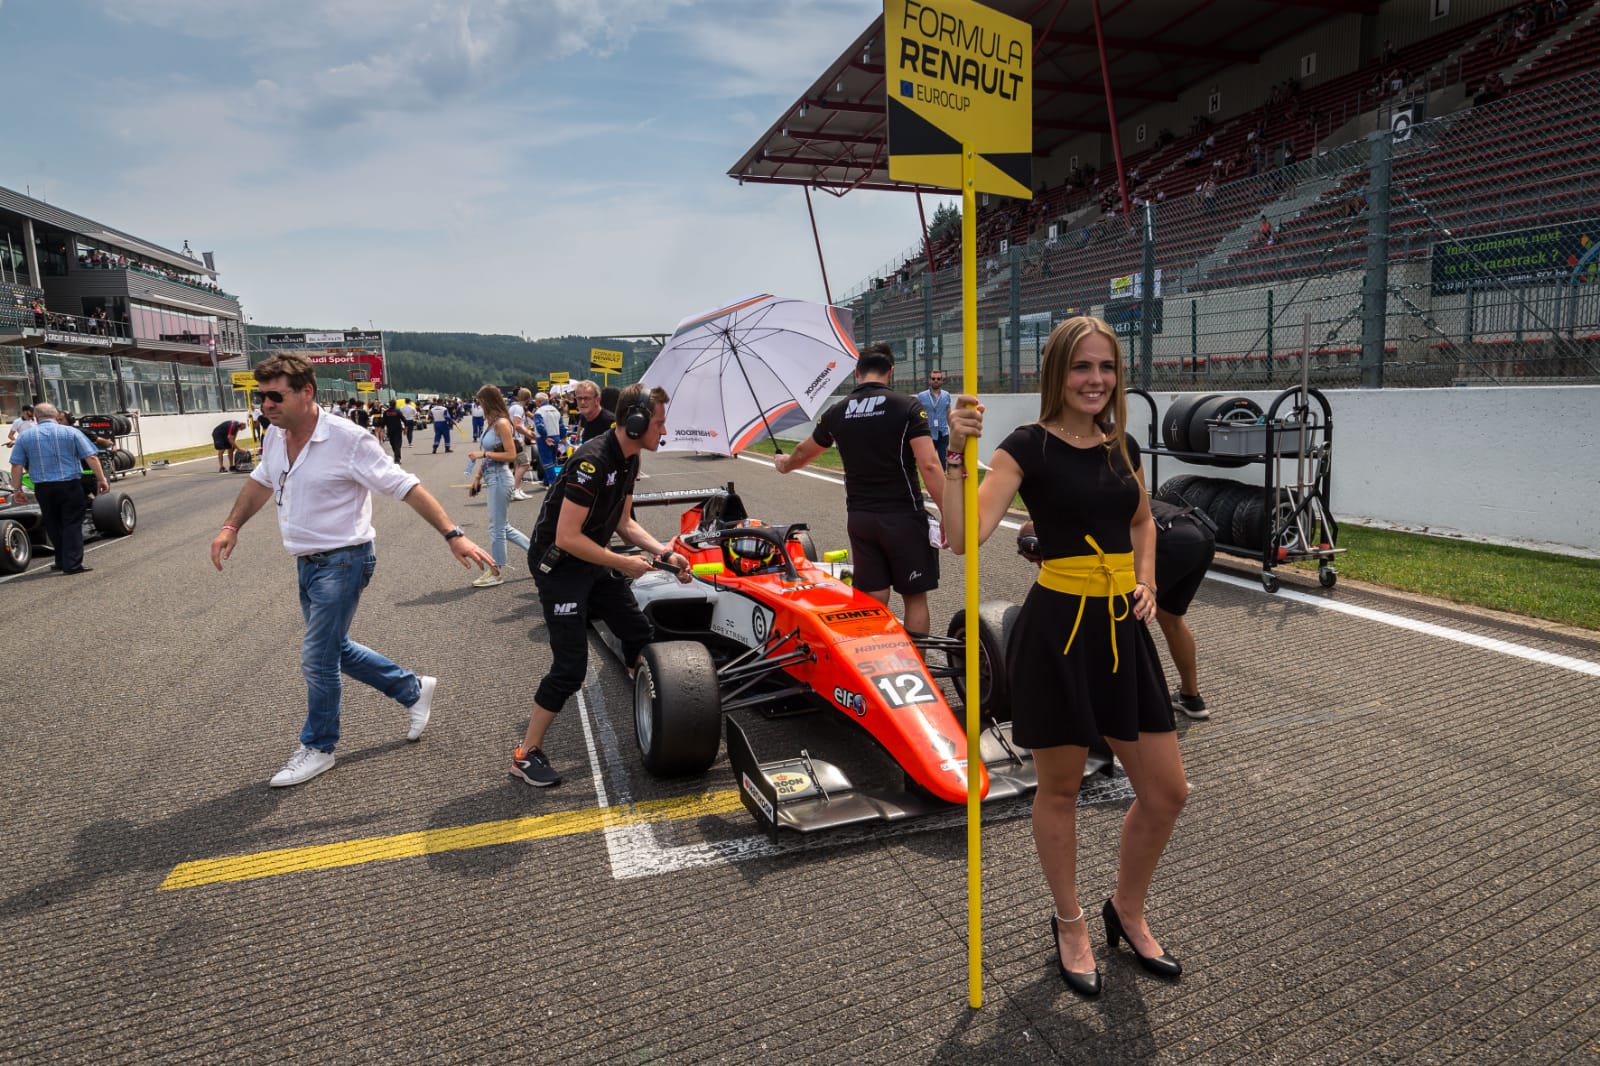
1077	697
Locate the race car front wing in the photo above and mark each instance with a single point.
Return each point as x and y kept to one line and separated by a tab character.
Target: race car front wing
806	794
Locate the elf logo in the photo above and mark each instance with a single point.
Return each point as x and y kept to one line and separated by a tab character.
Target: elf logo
865	407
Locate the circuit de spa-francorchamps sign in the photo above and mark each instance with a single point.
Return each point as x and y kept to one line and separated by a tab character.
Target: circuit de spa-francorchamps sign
958	73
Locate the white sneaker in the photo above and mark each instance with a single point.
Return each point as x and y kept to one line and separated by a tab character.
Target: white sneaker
488	579
422	710
302	766
520	495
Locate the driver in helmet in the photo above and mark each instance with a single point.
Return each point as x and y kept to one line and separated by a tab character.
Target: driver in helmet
750	555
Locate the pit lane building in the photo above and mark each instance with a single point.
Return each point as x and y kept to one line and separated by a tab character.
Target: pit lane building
94	319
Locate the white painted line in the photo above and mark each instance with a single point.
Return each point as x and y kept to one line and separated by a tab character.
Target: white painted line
1459	636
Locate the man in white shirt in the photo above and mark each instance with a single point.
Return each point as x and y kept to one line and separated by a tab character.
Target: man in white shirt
519	426
477	421
321	472
24	422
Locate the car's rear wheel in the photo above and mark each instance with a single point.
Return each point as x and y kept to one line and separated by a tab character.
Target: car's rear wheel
808	547
17	550
114	514
995	621
677	708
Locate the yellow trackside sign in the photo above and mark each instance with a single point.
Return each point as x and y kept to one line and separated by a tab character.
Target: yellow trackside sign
559	377
366	386
244	379
601	359
958	73
544	386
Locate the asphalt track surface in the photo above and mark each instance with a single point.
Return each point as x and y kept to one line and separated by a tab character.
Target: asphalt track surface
1389	851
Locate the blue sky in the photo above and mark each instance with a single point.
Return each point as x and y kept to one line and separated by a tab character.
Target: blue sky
511	166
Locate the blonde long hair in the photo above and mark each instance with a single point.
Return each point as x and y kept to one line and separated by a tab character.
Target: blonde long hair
1057	361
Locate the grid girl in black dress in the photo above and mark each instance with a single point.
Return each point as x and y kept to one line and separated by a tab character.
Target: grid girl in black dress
1081	660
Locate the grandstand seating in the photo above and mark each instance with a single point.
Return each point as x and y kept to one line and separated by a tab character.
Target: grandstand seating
1459	181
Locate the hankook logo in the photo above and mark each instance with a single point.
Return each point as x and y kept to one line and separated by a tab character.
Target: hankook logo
816	382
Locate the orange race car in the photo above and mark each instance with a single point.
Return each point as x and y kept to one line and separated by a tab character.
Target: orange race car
770	628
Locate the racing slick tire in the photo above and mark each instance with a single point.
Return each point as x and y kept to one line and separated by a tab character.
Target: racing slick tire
16	550
677	708
808	547
114	514
995	621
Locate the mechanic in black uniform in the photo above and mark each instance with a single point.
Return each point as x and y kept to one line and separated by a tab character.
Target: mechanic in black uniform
883	439
579	577
1185	545
224	439
592	414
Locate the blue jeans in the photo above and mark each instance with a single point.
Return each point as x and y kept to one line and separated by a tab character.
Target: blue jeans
330	591
497	488
941	445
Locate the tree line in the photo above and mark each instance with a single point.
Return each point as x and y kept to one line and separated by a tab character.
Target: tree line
458	364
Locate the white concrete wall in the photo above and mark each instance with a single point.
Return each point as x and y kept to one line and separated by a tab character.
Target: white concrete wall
163	433
1516	465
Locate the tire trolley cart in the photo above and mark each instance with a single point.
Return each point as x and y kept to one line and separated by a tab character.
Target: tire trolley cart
1278	520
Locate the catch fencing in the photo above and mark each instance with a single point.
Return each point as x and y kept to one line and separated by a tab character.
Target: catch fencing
1463	250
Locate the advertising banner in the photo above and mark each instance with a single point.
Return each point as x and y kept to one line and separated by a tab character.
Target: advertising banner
357	354
1541	255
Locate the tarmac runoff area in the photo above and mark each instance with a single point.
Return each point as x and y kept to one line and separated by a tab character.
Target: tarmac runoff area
1387	855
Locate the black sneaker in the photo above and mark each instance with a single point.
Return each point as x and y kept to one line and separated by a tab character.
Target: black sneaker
533	768
1193	706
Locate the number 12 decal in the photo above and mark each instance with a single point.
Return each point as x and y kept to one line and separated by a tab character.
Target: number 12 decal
903	689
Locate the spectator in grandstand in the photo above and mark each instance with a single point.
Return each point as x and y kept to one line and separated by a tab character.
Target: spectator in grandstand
39	316
442	425
593	417
1492	89
1264	232
1083	671
321	472
496	460
394	423
224	438
1208	196
884	442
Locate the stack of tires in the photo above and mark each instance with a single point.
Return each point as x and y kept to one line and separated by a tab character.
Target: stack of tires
1239	510
121	459
1185	427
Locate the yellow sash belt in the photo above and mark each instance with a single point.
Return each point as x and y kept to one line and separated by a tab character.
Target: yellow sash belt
1099	574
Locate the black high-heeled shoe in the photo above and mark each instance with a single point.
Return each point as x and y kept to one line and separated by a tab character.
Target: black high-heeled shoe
1161	965
1085	984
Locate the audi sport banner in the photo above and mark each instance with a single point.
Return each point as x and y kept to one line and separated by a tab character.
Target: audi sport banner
353	355
1544	255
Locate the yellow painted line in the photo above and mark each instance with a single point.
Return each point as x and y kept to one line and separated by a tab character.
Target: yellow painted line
433	841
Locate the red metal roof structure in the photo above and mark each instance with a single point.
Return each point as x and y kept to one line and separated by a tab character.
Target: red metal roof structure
833	137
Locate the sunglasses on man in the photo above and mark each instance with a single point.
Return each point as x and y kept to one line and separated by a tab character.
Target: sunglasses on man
270	394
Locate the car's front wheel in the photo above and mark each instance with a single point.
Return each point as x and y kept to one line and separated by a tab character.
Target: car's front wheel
16	550
995	621
677	708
